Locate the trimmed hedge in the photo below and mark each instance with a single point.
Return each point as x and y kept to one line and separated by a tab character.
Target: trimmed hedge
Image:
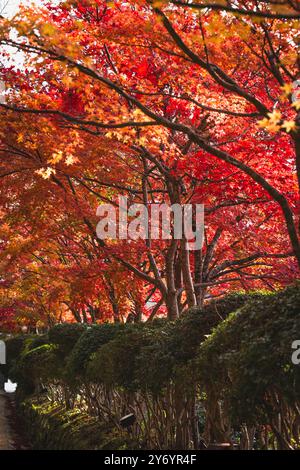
91	339
253	348
65	336
209	359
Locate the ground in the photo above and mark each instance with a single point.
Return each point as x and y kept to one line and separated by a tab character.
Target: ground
11	433
6	433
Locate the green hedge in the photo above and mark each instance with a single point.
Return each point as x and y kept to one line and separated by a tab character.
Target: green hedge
233	351
88	343
249	354
144	356
65	336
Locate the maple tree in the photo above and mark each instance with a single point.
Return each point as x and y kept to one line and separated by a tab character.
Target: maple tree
196	106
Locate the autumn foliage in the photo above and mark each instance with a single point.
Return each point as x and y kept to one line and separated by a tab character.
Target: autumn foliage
161	102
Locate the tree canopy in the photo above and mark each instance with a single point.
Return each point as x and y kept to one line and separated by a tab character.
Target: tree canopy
160	101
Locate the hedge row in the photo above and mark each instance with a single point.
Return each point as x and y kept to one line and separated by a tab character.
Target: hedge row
213	374
247	361
117	353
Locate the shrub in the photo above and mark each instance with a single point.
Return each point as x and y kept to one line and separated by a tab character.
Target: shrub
222	306
14	348
35	341
41	363
114	363
65	335
91	340
248	357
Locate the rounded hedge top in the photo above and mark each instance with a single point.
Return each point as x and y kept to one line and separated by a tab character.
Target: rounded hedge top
249	355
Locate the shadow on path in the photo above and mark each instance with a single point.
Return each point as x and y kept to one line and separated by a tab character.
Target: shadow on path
11	435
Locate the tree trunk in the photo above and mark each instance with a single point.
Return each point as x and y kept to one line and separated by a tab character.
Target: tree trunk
186	274
171	296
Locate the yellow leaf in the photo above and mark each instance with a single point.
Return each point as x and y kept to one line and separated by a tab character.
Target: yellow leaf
289	125
47	29
275	116
272	127
67	81
269	125
287	88
263	122
56	157
296	105
45	173
70	160
159	3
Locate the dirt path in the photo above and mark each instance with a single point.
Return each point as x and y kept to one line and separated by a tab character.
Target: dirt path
6	438
10	435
